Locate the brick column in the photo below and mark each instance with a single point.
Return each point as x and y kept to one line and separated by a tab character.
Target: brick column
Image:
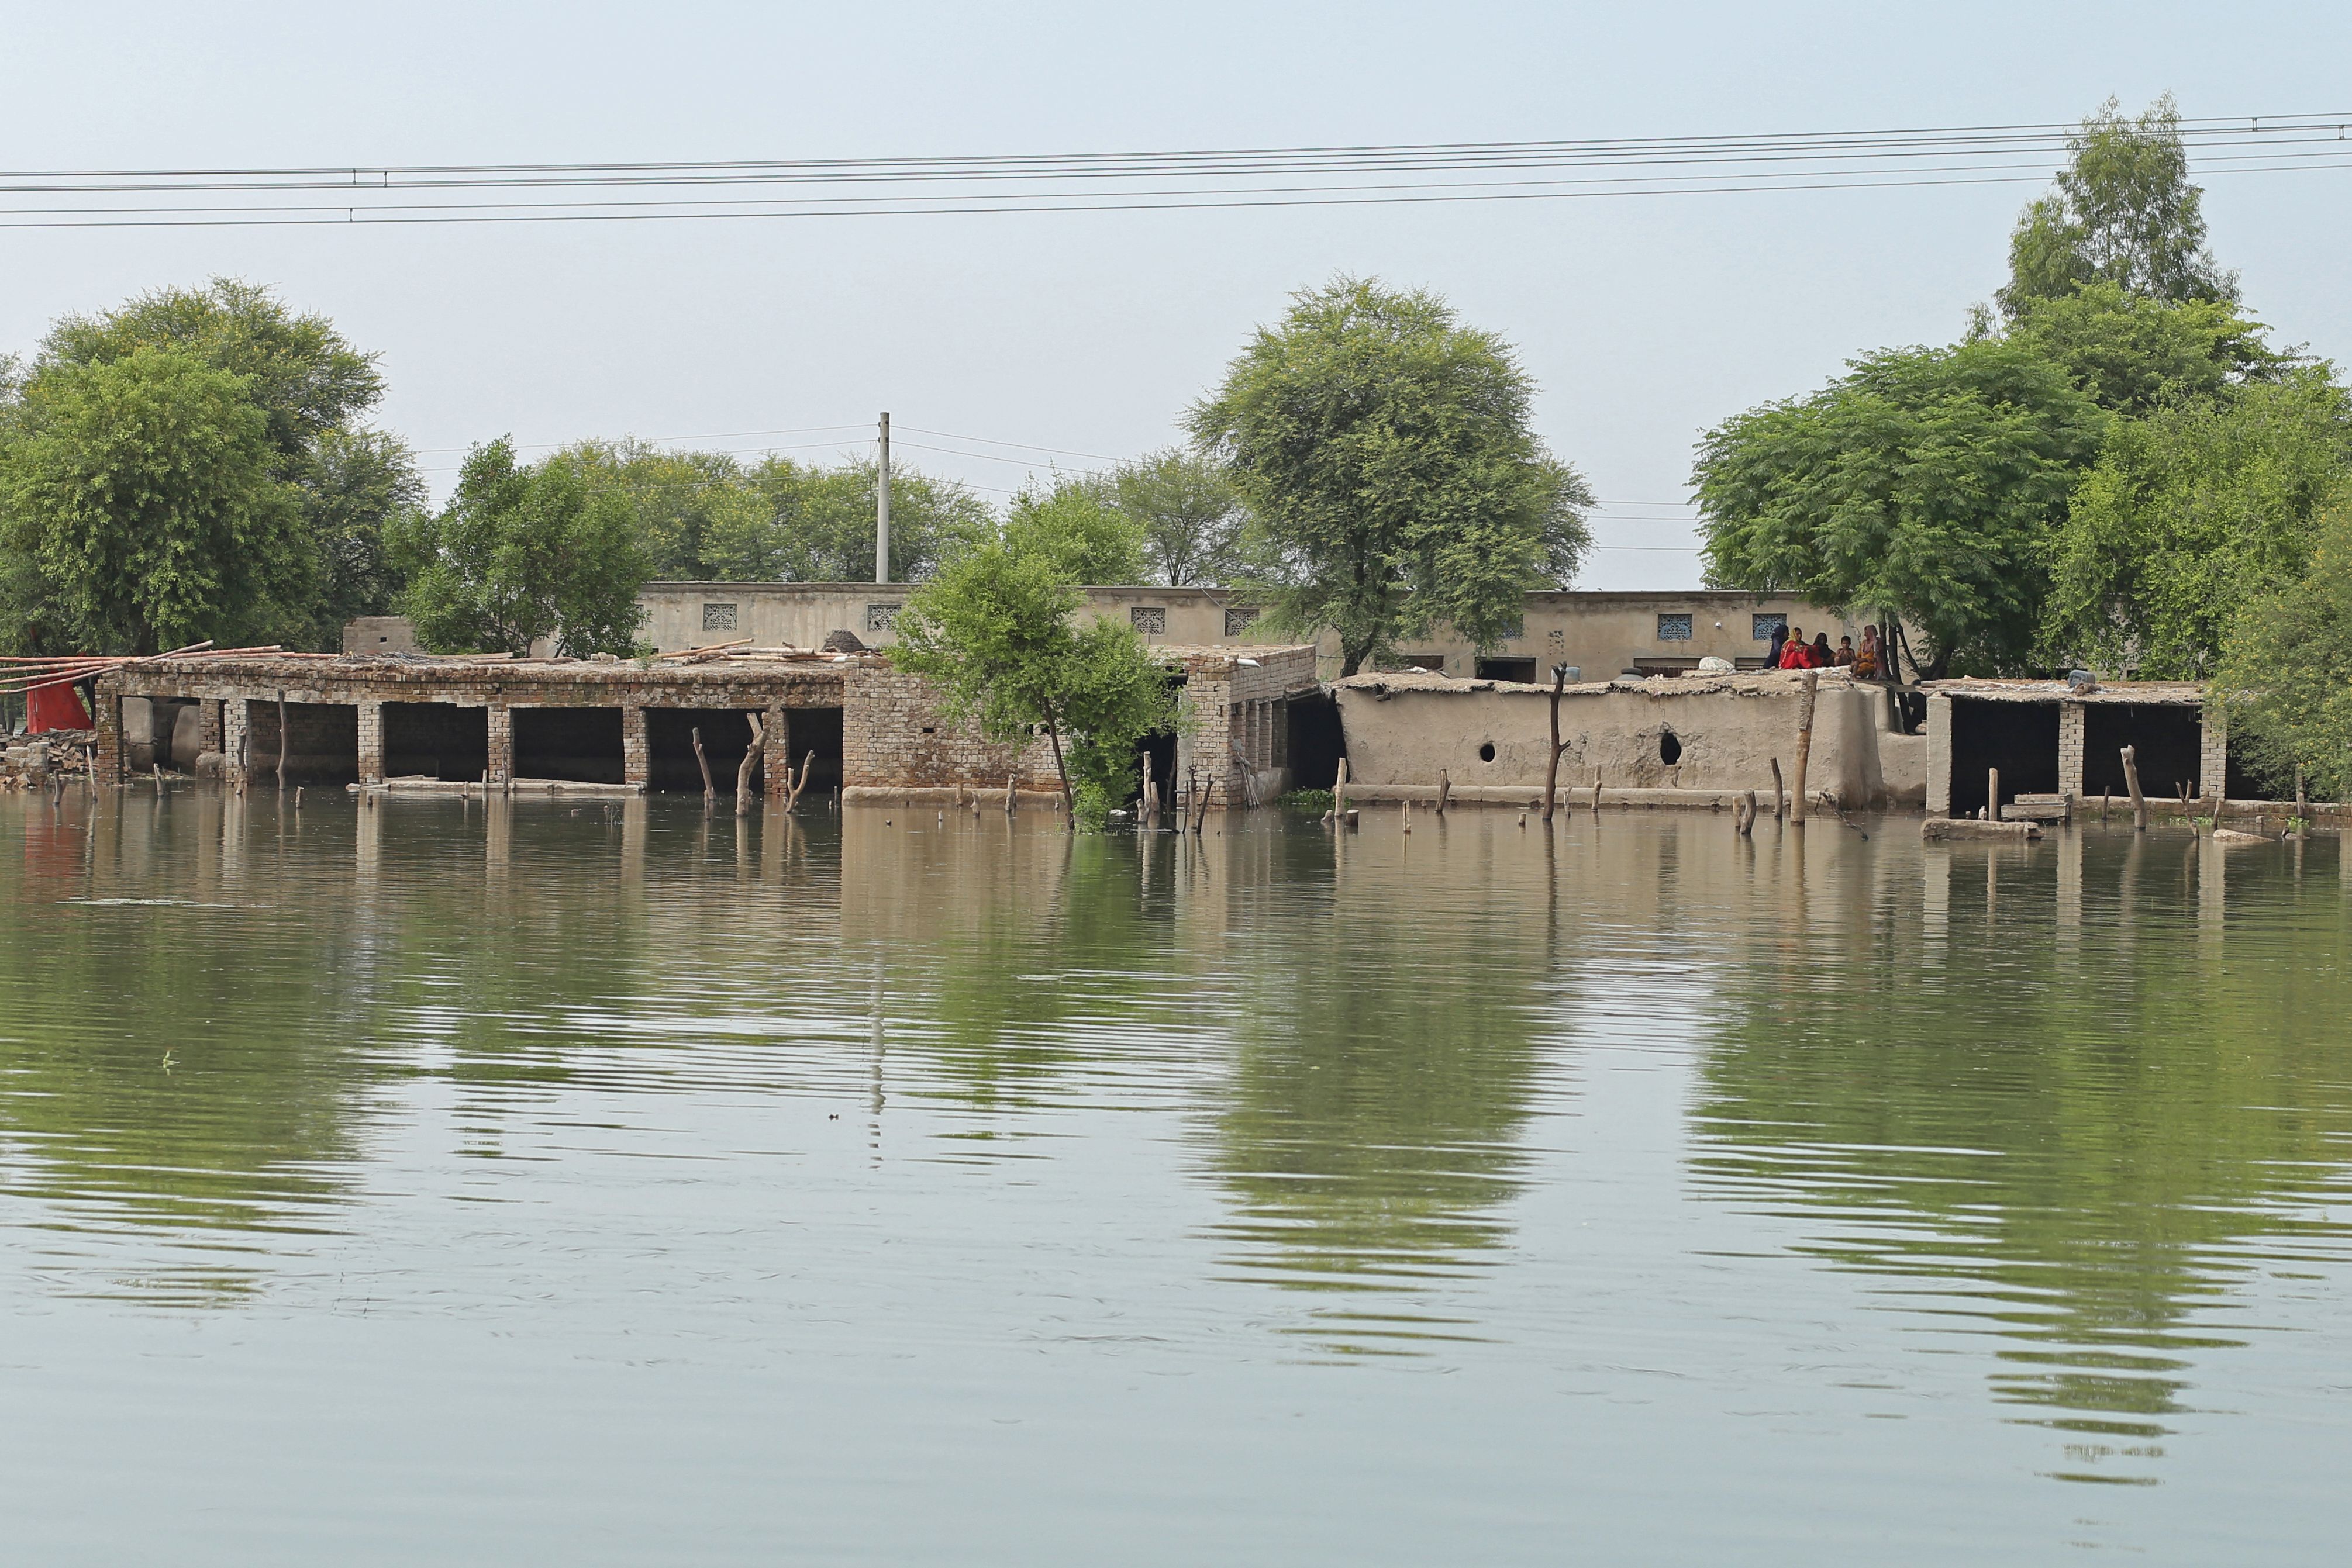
208	726
499	768
2071	728
2213	752
235	737
371	742
1940	756
636	763
107	765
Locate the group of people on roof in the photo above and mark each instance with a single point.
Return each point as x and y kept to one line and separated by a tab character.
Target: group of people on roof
1789	651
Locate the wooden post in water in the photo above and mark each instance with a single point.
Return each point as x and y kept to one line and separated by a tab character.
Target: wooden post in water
2301	803
1596	794
1805	698
743	769
709	793
282	734
1551	767
1992	794
1339	790
2131	782
1780	792
1008	794
1445	788
2106	802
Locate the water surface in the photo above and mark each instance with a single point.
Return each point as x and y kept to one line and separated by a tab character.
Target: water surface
620	1184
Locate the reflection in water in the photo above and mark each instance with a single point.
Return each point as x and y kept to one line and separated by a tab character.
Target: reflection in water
1386	1042
2069	1111
2083	1130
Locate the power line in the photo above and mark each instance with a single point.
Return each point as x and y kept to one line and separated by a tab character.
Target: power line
1126	182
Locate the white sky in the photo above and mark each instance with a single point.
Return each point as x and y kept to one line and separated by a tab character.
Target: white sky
1644	319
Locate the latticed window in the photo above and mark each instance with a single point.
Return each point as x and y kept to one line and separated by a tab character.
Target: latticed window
1674	628
719	618
881	617
1238	620
1151	620
1762	627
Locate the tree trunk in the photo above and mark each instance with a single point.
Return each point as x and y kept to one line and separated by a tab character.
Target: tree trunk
1551	769
1060	769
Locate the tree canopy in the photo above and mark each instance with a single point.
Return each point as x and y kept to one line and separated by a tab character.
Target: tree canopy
1386	456
1926	482
139	495
310	388
2187	513
522	553
1078	527
705	516
2123	211
1191	514
2286	675
993	628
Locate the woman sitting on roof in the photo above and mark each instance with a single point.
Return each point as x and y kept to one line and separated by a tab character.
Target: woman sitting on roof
1796	654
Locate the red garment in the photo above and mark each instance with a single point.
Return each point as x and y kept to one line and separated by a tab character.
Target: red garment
55	707
1797	655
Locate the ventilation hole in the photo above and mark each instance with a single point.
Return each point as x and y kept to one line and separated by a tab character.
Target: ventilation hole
1486	752
1670	749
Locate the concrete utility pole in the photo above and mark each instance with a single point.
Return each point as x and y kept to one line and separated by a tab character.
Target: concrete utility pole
882	509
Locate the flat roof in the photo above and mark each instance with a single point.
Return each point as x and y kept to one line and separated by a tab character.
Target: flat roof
2176	693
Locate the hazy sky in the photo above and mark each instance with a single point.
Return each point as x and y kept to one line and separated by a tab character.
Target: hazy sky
1644	319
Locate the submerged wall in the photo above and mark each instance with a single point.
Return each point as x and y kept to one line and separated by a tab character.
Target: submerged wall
1697	734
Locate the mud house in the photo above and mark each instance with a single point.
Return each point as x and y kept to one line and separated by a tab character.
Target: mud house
1656	741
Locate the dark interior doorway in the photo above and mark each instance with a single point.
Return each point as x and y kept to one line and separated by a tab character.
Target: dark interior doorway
1316	740
670	746
1521	670
2166	739
436	740
2018	738
817	729
322	742
1160	751
576	745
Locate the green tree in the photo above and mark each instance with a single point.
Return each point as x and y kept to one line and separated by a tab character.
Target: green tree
811	524
680	501
522	553
1078	526
312	388
2123	211
1191	514
993	629
140	492
2132	354
2287	668
1926	482
1385	453
2189	512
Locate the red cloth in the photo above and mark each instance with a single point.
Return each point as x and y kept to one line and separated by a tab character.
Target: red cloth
55	707
1797	655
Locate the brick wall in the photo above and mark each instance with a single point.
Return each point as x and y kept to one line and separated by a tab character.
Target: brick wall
894	736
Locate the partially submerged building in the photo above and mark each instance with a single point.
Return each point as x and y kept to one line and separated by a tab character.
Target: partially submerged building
490	721
1658	740
2051	739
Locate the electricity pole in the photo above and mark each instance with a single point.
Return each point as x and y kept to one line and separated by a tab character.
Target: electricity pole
882	509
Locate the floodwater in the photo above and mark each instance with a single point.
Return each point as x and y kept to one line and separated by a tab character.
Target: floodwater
612	1183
